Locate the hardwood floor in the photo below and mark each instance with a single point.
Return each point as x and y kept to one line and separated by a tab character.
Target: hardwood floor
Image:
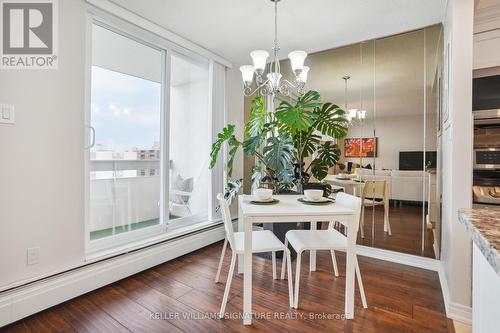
406	223
400	299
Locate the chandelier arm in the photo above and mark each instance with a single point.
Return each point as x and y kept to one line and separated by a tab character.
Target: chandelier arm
293	85
248	90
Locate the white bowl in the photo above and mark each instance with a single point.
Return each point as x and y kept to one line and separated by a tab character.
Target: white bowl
263	194
313	195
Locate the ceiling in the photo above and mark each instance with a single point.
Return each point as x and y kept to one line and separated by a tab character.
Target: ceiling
233	28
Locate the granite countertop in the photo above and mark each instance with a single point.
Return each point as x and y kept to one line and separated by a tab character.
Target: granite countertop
483	224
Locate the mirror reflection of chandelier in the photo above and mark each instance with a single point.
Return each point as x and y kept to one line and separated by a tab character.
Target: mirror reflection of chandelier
354	116
273	83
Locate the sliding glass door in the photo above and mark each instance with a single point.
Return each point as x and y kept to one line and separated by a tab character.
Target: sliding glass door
125	124
150	124
189	144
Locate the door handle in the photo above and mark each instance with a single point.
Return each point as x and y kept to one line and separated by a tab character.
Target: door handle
92	137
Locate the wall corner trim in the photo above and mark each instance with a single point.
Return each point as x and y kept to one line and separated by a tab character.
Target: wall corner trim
455	311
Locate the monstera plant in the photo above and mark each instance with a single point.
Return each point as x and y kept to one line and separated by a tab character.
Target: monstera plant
308	121
282	140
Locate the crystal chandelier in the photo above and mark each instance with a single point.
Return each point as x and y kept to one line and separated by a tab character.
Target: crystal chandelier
354	116
273	83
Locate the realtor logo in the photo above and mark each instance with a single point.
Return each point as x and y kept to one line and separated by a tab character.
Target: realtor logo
29	34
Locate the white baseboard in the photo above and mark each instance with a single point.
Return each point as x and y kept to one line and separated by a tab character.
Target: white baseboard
37	296
454	310
398	257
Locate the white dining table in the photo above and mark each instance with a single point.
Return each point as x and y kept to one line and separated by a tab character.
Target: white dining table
289	209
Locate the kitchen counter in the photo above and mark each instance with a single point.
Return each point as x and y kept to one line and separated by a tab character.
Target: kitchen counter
483	225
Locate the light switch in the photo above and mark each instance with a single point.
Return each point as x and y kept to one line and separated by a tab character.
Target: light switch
6	114
33	256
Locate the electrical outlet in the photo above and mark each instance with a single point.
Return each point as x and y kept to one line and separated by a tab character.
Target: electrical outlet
33	257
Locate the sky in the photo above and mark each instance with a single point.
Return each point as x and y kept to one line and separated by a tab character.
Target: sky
125	110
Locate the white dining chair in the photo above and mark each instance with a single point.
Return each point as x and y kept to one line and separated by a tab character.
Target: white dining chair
375	193
331	239
262	241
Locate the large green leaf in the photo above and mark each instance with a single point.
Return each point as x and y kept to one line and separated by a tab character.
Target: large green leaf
251	144
294	118
257	118
329	153
331	120
226	133
233	148
278	152
309	101
298	117
319	169
286	178
306	142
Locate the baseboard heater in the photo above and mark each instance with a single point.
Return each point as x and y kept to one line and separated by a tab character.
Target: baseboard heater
19	301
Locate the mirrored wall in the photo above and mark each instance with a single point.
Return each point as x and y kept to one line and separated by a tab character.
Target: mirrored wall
391	89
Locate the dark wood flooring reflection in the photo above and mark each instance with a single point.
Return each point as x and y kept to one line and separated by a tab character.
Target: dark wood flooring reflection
400	299
406	223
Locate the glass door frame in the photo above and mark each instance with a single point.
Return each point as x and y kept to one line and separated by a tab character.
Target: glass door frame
115	242
154	234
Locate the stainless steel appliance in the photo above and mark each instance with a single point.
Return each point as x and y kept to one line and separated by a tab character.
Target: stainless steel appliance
486	178
487	158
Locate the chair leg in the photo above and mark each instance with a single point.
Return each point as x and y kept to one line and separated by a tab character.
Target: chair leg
228	285
283	262
386	219
362	222
217	276
289	267
334	261
297	280
274	264
360	285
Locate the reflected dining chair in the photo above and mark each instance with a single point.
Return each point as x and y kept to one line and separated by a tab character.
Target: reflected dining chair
331	239
263	241
375	193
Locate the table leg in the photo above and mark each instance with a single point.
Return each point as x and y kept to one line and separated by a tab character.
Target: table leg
240	228
351	265
247	276
312	258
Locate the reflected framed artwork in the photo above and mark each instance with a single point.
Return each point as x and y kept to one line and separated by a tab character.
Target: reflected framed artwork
360	147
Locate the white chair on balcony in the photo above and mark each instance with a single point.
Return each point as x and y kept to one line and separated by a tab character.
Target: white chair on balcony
263	241
375	193
182	189
331	239
181	193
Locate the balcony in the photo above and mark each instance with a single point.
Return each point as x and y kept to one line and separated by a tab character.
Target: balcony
125	195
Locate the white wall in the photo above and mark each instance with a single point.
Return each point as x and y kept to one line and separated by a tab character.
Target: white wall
41	169
395	134
42	158
457	160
